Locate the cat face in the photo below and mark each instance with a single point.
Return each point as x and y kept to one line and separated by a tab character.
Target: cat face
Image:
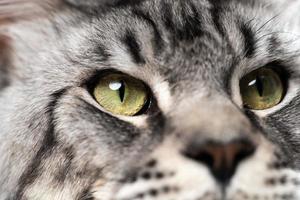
196	134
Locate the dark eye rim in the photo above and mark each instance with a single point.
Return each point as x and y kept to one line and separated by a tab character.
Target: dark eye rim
283	72
149	106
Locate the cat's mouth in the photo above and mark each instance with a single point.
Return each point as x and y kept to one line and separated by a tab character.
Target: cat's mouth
203	192
187	181
173	177
169	185
169	192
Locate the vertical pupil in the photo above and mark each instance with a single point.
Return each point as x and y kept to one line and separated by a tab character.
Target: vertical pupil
122	91
120	87
260	85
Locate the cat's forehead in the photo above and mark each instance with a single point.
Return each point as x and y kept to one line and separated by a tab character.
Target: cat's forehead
179	39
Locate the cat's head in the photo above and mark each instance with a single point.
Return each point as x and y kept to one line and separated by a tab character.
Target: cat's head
154	99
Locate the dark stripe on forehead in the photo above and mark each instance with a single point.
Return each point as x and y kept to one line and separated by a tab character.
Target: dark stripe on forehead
167	19
249	40
167	15
186	25
157	41
133	47
217	12
192	26
33	170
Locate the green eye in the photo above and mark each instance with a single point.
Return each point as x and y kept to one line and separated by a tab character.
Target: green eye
121	94
262	89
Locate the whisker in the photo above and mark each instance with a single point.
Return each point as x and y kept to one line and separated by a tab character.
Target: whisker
267	22
277	32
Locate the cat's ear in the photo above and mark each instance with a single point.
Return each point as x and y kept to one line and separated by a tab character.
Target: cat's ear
90	5
14	10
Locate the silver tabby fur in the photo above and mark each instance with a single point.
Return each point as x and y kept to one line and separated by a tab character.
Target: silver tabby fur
57	143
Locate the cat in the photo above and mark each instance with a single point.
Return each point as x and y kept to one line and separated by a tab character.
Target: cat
149	99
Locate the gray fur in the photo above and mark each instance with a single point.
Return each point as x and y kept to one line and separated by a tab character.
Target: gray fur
57	143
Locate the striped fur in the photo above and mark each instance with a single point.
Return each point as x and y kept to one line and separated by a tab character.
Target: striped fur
57	143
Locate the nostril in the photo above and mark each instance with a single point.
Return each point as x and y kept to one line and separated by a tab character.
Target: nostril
243	151
221	159
205	157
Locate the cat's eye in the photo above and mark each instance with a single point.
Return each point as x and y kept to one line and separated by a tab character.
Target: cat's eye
121	94
262	89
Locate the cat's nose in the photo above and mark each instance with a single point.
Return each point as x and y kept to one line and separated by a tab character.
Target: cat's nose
221	158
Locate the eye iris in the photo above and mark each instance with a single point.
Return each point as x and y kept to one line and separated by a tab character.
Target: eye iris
261	89
121	94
